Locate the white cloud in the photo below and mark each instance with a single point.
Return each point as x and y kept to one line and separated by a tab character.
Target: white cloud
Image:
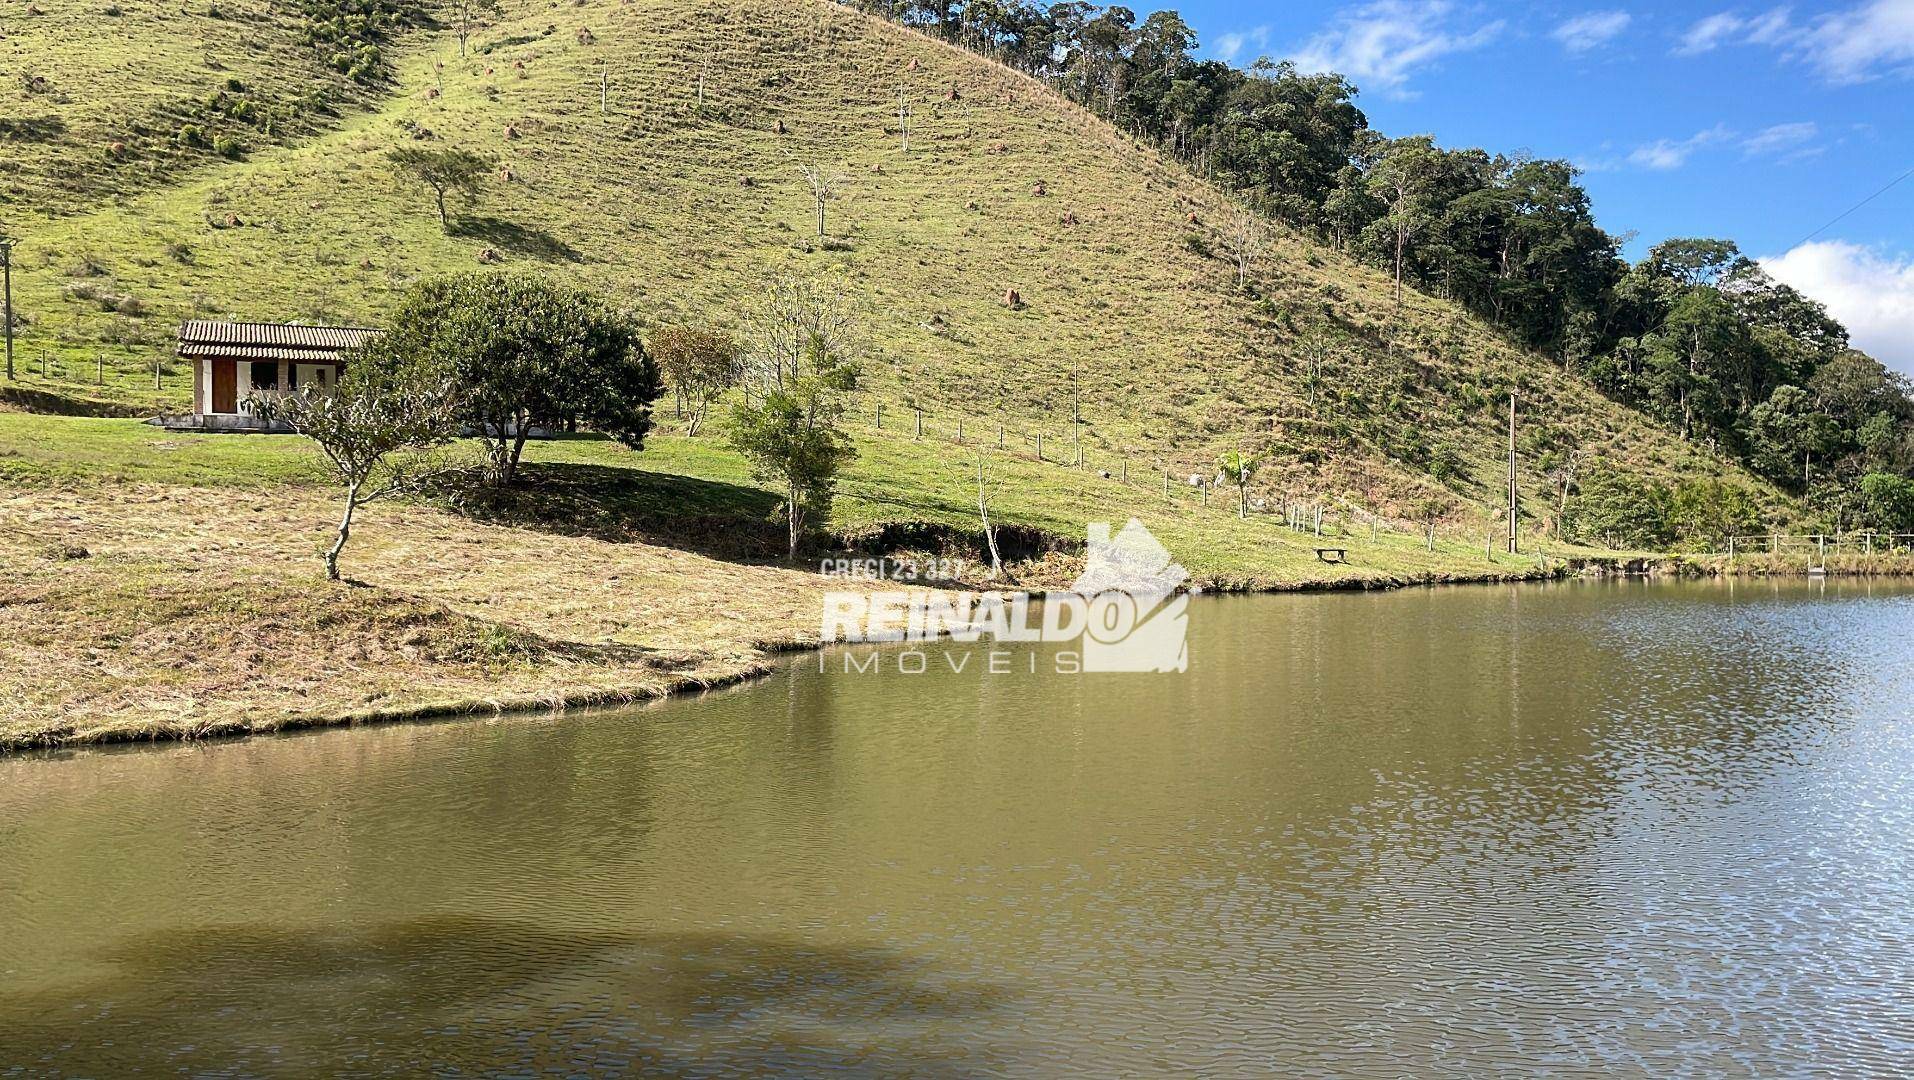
1871	40
1787	141
1664	154
1230	46
1585	32
1729	28
1867	41
1870	292
1380	44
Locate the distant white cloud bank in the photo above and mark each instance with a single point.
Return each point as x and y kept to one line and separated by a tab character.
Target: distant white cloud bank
1872	293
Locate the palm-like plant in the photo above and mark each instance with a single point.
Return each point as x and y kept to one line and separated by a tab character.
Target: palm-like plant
1238	468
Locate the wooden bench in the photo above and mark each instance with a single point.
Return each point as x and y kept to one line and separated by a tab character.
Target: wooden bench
1341	554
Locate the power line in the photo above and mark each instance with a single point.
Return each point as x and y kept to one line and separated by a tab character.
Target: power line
1837	218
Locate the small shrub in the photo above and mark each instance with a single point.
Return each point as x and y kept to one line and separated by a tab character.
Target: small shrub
191	135
130	306
228	147
180	252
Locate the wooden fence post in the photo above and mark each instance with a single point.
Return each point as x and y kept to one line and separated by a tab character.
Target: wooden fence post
100	377
920	422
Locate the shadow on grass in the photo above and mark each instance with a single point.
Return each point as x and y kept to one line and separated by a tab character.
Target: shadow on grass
31	128
526	240
604	502
452	994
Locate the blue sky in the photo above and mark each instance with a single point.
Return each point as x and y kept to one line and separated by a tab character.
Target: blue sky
1757	123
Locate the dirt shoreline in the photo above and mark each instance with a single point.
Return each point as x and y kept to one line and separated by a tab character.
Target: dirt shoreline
562	700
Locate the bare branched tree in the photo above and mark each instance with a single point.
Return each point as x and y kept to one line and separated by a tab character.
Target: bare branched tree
1246	240
986	490
827	186
472	12
794	321
1320	348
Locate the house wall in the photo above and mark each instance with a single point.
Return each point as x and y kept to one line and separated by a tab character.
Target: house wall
241	370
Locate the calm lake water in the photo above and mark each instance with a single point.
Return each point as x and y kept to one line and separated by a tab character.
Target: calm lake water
1560	828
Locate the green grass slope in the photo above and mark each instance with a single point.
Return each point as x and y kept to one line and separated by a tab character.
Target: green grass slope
683	209
95	94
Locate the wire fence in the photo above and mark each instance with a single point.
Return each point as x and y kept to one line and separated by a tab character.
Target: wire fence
1180	480
1819	545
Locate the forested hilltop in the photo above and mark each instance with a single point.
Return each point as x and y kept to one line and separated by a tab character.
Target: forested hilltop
1695	334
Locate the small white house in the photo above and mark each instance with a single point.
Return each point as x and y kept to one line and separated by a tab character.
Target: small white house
235	361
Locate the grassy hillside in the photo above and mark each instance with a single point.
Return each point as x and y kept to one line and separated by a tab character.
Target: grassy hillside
1127	317
106	98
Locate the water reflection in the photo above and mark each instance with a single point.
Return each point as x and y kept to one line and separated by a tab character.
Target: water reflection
1440	831
413	995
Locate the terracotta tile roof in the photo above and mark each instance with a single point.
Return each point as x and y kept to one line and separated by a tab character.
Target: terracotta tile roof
269	341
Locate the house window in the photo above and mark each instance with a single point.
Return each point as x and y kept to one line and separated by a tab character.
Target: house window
265	375
317	377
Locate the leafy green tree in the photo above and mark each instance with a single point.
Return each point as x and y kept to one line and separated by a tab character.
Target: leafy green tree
1703	514
1695	362
1238	468
1281	136
384	405
524	353
1690	261
444	171
701	363
1404	180
1617	510
1886	503
793	435
1785	435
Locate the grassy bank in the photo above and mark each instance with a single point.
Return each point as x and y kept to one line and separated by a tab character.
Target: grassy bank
1795	564
158	585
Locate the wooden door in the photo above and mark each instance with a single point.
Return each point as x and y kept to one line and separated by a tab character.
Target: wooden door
225	388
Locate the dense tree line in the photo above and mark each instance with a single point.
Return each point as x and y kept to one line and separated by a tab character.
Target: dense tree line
1694	333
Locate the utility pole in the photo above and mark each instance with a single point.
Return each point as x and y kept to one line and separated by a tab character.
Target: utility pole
6	269
1514	494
